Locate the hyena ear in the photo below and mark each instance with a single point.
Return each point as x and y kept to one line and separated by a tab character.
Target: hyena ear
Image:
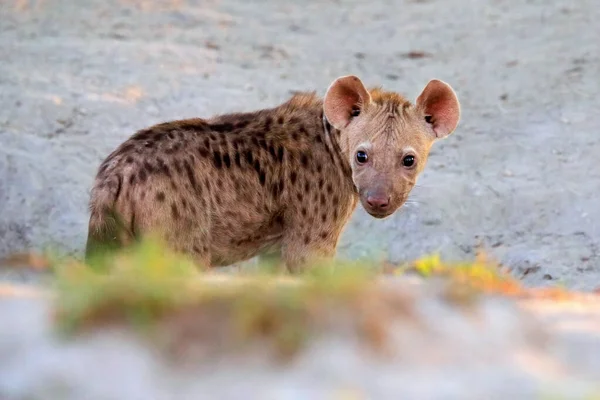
440	107
344	100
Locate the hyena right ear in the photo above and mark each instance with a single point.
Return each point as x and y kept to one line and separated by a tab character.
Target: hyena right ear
344	100
440	107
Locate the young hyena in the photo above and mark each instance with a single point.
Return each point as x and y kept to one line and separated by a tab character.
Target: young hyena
280	181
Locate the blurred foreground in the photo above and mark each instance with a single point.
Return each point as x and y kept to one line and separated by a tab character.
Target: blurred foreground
149	326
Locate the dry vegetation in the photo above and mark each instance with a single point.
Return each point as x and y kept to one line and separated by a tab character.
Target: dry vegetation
167	298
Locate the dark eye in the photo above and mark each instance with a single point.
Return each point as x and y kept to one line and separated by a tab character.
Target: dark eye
408	161
428	119
355	111
361	157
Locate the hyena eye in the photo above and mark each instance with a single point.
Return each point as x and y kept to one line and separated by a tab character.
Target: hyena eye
355	111
361	157
428	119
408	161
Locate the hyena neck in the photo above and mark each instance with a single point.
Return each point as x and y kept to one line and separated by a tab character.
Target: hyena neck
333	143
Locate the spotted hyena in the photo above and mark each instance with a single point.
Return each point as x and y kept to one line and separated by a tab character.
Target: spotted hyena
281	181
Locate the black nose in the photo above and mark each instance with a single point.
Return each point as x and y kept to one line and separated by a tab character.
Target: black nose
378	202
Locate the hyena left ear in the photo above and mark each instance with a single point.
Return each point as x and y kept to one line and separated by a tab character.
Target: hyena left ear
440	107
345	98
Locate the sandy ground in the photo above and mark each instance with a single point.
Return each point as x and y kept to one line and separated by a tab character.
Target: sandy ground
519	176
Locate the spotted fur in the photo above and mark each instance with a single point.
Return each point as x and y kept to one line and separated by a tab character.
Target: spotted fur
225	189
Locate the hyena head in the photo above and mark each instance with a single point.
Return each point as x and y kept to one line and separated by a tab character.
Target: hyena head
387	138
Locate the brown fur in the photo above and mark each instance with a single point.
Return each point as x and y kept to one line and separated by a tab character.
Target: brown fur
225	189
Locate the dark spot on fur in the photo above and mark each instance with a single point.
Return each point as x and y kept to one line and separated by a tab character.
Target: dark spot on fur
163	167
324	217
293	177
335	213
170	150
129	160
281	185
249	158
299	196
275	190
217	159
280	120
304	160
241	124
323	200
321	183
196	249
306	239
126	148
131	179
237	159
280	154
306	186
225	127
132	226
148	167
263	144
254	141
323	235
336	200
212	137
272	151
171	135
318	139
279	219
262	178
319	168
257	167
218	199
206	143
142	176
160	196
119	186
174	211
268	122
203	152
227	160
178	167
190	175
329	188
295	136
184	204
303	211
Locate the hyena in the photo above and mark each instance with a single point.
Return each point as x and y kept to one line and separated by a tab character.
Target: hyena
277	182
